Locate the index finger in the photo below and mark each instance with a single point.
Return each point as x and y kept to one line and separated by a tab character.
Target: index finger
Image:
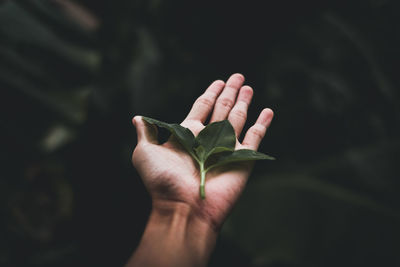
203	105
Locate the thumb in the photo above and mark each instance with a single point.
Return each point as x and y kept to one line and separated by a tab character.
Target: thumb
145	131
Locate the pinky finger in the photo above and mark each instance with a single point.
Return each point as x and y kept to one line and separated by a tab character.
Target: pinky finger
256	133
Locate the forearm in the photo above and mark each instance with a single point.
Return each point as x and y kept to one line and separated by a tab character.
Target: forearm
174	236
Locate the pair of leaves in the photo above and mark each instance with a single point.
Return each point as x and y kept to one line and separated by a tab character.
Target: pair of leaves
217	139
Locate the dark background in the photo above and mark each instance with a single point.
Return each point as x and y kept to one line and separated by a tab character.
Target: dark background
73	73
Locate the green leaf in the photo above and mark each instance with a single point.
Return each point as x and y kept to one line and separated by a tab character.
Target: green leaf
214	139
184	135
220	149
240	155
217	135
201	153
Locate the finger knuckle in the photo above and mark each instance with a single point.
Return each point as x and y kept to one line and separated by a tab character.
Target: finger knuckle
225	102
204	101
258	131
134	156
240	113
137	152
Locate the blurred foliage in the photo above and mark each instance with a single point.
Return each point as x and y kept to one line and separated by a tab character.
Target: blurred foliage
73	73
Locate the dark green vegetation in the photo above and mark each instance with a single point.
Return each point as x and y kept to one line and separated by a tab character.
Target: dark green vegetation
71	81
214	146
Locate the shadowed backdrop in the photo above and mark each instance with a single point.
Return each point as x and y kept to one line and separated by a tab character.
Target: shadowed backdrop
73	74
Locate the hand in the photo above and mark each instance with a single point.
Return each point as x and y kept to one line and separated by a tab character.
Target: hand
170	174
182	227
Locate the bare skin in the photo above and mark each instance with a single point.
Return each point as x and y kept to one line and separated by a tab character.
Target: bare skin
182	228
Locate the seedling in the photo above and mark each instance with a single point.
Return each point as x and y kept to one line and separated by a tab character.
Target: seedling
214	146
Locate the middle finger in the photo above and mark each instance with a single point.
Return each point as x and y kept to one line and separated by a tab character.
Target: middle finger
227	98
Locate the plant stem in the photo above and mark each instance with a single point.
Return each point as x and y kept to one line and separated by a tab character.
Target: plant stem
202	181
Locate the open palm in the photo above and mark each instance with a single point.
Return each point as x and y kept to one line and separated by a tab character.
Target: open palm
169	172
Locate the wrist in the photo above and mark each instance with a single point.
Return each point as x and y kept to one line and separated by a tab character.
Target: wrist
173	213
179	224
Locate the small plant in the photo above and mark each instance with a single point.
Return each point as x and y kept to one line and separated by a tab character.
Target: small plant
214	146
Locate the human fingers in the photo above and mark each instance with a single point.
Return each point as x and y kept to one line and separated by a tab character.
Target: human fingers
256	132
238	115
205	103
146	133
227	98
